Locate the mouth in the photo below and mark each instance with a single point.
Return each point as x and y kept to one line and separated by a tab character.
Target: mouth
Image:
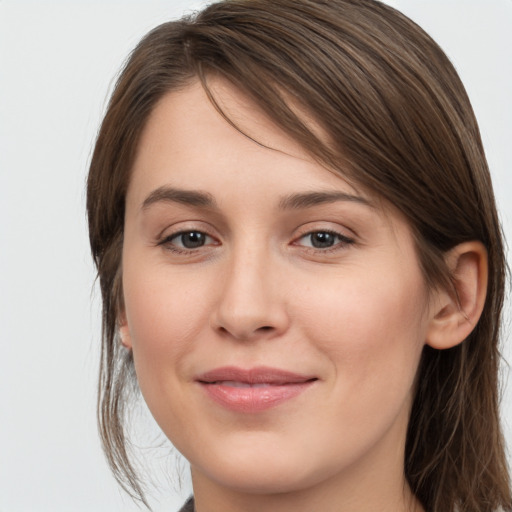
253	390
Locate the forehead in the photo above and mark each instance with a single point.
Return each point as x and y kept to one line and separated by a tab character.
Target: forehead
196	113
186	129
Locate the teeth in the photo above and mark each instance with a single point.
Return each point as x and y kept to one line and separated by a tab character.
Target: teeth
235	384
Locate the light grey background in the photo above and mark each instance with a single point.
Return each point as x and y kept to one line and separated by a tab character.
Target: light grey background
57	63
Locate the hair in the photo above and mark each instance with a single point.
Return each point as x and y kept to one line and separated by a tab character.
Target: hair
399	124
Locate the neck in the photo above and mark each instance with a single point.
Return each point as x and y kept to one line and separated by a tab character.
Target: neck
321	498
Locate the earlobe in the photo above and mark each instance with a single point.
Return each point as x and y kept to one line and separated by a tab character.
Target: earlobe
455	315
124	332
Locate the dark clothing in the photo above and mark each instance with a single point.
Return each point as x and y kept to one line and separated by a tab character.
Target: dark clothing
189	506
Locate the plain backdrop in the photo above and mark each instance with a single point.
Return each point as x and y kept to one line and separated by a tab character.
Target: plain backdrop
58	60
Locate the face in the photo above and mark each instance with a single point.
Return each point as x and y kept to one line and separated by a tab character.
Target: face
276	314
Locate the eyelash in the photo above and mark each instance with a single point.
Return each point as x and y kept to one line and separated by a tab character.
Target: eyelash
341	241
168	243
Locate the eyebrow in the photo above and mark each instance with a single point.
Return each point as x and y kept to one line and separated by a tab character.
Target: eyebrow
176	195
297	201
310	199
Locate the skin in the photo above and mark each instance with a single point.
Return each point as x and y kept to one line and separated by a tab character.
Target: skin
355	315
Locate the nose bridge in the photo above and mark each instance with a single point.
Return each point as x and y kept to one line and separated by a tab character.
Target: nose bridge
249	303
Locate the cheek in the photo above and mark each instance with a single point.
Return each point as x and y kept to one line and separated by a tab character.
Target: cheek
371	326
165	317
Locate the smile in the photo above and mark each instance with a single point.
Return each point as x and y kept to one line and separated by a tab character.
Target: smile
253	390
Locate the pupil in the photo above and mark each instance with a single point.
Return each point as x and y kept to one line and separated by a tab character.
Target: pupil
192	239
321	240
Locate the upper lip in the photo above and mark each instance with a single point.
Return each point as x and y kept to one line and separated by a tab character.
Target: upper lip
256	375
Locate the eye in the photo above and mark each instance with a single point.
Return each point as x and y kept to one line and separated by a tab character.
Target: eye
187	240
324	240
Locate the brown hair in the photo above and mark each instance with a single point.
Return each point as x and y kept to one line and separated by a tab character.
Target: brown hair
401	125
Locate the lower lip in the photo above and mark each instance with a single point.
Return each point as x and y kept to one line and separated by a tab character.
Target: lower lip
254	399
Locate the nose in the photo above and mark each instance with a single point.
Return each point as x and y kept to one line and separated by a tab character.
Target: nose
251	302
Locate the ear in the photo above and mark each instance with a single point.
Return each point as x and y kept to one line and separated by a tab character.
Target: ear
455	315
124	331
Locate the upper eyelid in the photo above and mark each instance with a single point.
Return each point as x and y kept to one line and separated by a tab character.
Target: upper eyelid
185	226
326	226
343	238
176	234
305	229
330	231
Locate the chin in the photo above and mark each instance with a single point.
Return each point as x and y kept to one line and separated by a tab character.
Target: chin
272	479
265	471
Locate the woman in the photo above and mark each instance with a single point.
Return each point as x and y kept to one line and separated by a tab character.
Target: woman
301	262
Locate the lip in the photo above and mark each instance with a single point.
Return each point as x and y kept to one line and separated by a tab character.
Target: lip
253	390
